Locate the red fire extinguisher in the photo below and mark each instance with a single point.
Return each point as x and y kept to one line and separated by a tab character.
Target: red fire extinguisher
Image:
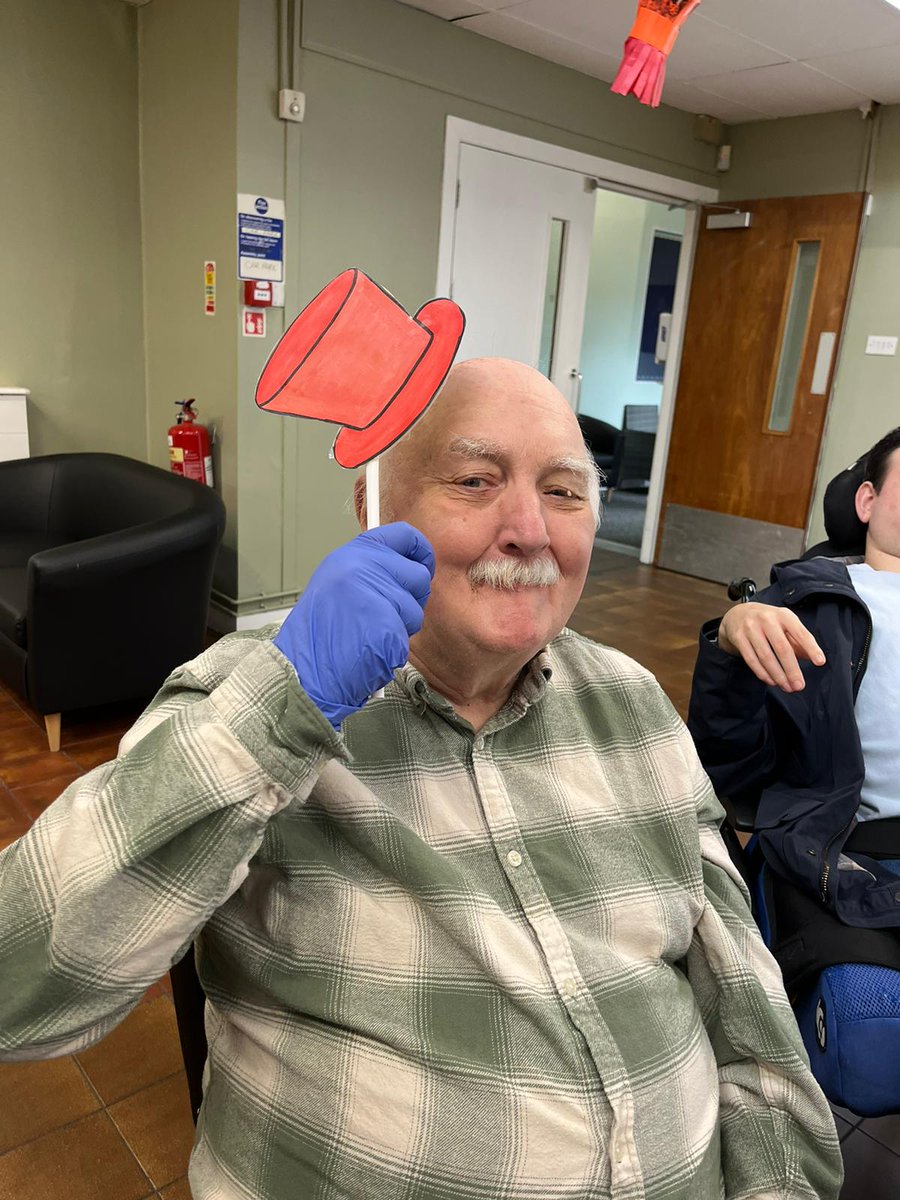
190	453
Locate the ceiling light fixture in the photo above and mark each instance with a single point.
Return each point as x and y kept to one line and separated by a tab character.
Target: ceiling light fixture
893	3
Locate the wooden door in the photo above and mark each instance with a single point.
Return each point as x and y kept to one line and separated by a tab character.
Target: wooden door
764	321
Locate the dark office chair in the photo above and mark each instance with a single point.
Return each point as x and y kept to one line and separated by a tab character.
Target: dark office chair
600	437
105	574
844	982
845	532
190	1009
633	459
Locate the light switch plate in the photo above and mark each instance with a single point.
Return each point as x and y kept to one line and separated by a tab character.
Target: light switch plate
881	345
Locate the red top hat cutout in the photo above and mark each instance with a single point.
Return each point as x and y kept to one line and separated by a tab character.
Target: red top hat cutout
354	356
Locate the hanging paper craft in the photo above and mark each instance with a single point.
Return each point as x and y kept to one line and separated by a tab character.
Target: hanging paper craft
355	357
643	69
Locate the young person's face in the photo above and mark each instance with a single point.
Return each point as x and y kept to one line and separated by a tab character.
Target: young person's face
881	511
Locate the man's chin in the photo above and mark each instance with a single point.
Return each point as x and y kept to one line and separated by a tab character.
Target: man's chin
518	621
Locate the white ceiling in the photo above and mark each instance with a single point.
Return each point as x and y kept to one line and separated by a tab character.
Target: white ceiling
735	60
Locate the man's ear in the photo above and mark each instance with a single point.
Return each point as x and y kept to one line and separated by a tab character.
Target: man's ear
865	497
359	501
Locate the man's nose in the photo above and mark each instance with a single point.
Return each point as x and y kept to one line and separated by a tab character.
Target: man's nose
524	528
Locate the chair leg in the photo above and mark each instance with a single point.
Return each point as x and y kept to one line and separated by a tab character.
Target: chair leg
53	725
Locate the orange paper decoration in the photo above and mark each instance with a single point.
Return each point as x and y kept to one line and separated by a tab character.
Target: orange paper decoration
654	33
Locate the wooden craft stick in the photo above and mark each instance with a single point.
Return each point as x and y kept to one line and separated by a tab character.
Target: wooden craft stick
373	494
373	511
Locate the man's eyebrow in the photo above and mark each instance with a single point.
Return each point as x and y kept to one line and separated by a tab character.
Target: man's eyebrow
466	447
578	466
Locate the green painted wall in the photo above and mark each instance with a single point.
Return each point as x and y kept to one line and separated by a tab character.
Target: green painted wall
620	264
267	153
866	401
797	156
188	80
70	305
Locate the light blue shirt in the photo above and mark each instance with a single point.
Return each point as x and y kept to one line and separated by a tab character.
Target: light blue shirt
878	701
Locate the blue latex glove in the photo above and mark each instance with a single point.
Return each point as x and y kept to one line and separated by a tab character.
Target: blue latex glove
350	629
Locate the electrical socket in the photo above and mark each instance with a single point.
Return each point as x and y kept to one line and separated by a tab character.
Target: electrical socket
886	346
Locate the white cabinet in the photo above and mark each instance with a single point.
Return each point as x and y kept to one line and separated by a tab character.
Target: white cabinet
13	423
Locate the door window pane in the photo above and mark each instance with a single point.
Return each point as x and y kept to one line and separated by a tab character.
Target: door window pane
793	339
551	295
660	299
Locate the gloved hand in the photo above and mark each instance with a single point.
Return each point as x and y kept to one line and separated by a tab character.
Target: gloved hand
350	629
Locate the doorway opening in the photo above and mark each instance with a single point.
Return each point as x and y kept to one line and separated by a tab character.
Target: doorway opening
518	225
635	256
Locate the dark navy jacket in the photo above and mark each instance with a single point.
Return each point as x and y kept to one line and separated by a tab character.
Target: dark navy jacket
798	753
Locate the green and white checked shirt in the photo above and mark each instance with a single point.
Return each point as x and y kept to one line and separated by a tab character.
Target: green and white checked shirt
512	965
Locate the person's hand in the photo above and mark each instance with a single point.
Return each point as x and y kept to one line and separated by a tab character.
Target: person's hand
350	629
770	640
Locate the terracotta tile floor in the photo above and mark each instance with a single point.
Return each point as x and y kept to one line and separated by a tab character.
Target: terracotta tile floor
654	616
113	1123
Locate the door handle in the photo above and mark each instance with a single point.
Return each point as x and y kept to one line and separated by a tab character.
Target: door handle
578	376
662	337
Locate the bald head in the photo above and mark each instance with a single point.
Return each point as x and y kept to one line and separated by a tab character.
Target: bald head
472	387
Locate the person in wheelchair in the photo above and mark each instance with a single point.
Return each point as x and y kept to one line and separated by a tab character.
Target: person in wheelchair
795	712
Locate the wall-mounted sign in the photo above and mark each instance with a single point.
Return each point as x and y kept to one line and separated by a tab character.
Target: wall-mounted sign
209	288
254	322
260	231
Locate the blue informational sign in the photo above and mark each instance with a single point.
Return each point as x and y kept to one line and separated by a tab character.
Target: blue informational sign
260	230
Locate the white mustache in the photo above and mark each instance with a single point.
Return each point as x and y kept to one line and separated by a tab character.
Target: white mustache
506	574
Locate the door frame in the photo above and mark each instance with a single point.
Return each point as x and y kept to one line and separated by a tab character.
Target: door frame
610	176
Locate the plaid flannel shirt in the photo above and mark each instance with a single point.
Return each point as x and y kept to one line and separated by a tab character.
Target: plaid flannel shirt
440	965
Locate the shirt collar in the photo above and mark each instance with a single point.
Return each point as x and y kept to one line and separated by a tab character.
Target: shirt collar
529	689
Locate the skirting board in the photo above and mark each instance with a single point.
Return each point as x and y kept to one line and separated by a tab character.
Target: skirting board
720	547
226	622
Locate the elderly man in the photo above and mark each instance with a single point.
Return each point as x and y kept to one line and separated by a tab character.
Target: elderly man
478	937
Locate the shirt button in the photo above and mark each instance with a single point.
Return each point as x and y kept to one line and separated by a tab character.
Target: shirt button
514	858
479	743
570	988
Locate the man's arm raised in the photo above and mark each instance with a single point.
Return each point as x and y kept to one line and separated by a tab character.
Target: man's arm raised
116	878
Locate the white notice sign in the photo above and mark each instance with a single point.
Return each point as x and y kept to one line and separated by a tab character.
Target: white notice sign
260	232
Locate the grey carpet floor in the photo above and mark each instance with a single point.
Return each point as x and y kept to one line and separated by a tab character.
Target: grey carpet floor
623	519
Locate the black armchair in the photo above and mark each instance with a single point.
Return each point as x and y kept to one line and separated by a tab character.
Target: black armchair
105	574
600	438
633	459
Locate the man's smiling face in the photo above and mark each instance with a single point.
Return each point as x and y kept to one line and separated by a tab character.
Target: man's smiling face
500	483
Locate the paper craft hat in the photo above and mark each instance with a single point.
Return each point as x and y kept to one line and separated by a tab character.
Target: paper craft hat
354	356
654	33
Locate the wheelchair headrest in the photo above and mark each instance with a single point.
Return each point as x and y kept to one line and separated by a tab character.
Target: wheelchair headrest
846	532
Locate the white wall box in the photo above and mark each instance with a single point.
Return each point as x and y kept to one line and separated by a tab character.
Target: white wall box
13	423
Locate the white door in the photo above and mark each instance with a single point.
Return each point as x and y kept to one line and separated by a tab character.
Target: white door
521	257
